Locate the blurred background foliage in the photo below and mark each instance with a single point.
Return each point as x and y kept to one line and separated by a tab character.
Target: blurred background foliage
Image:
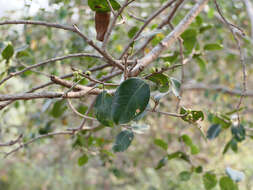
54	163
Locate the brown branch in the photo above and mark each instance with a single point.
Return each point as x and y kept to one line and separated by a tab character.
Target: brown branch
37	138
151	17
160	26
12	142
170	39
46	62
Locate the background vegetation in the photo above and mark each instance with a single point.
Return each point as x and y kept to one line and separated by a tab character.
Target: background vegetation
212	84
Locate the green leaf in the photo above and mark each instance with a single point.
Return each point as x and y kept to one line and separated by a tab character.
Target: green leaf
123	141
176	85
8	52
178	154
213	47
131	33
161	80
198	169
227	184
22	54
213	131
162	162
191	116
188	141
235	175
209	180
161	143
185	176
190	38
102	5
83	160
102	108
238	132
218	119
205	27
58	108
130	100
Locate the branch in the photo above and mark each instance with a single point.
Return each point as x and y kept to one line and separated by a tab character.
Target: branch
46	62
170	39
39	95
161	25
218	88
151	17
74	29
37	138
12	142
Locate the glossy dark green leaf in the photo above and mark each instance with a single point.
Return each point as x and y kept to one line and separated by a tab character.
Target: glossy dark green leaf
238	132
83	160
213	47
123	141
209	180
176	85
130	100
233	145
8	52
102	108
185	176
102	5
213	131
161	80
132	31
161	143
227	184
235	175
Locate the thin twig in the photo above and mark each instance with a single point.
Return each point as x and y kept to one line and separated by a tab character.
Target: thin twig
243	64
12	142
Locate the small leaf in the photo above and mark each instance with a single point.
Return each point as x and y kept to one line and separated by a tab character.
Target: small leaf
161	143
102	5
162	163
130	100
58	108
176	86
8	52
83	160
198	169
209	180
238	132
123	141
213	47
161	80
190	38
213	131
227	184
103	108
185	176
235	175
188	141
132	31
